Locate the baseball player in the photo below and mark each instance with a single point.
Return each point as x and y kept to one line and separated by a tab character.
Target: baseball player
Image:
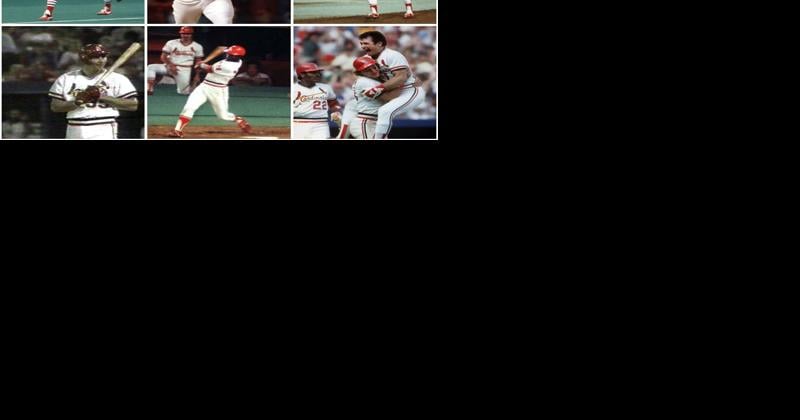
51	6
215	90
178	57
92	110
373	10
311	102
189	11
395	70
366	108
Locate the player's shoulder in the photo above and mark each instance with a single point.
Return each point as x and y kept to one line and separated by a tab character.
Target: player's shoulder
362	81
388	52
324	86
117	77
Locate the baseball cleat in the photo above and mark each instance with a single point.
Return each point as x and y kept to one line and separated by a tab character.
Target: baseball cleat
175	133
373	16
104	12
408	15
244	125
46	17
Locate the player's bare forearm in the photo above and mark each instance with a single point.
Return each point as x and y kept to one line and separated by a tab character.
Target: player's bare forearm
398	80
121	104
334	106
388	96
57	105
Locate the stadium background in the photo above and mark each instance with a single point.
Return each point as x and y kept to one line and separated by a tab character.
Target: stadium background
247	11
34	57
335	48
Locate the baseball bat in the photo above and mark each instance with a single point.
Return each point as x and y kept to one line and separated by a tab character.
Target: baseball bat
121	60
214	54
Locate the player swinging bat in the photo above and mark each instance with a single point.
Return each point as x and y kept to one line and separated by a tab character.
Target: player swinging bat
93	96
214	54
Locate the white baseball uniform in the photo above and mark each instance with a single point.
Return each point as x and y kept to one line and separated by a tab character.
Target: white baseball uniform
92	121
189	11
215	90
310	119
363	126
182	56
389	61
373	6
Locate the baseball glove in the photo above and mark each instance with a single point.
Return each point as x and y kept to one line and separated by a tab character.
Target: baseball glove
90	95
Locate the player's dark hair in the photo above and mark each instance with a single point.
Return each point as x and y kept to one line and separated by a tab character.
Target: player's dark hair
375	35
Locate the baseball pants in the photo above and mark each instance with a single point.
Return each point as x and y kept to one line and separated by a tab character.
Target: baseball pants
217	11
311	130
409	99
106	131
182	79
218	96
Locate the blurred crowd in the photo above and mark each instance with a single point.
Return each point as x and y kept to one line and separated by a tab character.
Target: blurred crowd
246	11
335	48
39	54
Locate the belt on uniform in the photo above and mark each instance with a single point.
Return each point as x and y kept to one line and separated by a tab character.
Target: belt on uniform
310	120
217	85
91	121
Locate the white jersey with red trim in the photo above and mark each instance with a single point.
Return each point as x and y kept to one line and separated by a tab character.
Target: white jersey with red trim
390	60
312	103
223	71
182	55
115	85
188	2
364	104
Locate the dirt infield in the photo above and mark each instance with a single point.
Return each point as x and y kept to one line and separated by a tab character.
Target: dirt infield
422	16
221	132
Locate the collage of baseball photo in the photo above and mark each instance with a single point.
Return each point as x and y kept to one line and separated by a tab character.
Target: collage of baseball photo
248	70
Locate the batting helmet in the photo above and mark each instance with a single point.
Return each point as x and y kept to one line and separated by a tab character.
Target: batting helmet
362	63
236	50
186	30
90	51
307	68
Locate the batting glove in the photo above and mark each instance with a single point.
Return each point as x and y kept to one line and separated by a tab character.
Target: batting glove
374	92
336	117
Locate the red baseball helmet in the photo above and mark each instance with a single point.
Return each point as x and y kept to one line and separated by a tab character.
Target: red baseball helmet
186	30
361	63
307	68
236	50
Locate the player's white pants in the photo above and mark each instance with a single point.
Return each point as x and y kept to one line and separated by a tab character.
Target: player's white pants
217	11
409	99
363	127
311	130
107	131
218	96
348	119
375	2
182	79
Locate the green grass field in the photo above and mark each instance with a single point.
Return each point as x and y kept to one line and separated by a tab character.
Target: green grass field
262	106
74	11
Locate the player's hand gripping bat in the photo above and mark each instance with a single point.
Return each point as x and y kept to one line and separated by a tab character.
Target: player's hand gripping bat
214	54
120	61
